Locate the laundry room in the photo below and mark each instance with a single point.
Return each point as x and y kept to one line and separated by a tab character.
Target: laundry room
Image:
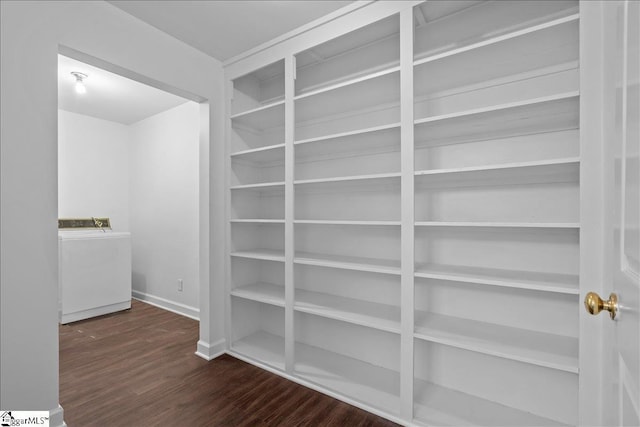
128	173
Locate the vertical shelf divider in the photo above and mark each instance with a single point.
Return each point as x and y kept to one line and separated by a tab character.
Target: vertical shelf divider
227	225
407	213
289	241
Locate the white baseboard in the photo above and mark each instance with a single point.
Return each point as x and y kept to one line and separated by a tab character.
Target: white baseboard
175	307
211	351
56	417
93	312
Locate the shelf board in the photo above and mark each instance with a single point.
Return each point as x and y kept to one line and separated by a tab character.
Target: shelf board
545	282
348	178
361	142
266	254
537	348
373	265
553	170
261	118
500	107
267	293
262	347
258	109
257	221
349	133
366	383
364	313
383	90
567	161
349	82
437	405
531	116
269	153
342	222
497	39
257	186
561	225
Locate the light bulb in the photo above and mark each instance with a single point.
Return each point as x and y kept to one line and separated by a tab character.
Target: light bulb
80	88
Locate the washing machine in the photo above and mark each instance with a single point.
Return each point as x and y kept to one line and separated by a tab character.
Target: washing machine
94	269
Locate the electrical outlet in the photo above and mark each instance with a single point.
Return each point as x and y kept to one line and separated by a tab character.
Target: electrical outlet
179	285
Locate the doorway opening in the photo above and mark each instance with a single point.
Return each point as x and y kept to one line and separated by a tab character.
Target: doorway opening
129	152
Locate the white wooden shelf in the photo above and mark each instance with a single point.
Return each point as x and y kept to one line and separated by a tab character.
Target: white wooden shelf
560	225
565	162
548	64
258	186
366	383
554	170
257	221
376	139
348	82
262	347
349	133
364	313
537	348
441	406
340	222
258	109
498	39
379	176
269	153
377	91
373	265
357	53
546	282
261	118
267	293
546	102
530	116
265	254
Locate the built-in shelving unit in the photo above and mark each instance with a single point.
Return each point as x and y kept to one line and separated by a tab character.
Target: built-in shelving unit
404	223
496	210
256	216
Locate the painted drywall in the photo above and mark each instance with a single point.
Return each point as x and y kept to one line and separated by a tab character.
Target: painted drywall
144	177
31	36
164	207
93	169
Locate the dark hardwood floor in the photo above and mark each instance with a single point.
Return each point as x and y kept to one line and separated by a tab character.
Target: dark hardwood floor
138	368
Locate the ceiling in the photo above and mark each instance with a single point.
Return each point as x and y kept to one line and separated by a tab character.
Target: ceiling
224	29
110	96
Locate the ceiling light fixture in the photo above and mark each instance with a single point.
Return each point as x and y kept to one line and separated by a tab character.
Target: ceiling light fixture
80	88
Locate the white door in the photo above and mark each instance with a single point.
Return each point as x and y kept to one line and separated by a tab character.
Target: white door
620	375
625	369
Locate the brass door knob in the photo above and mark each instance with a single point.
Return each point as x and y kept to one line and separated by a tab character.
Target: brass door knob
594	304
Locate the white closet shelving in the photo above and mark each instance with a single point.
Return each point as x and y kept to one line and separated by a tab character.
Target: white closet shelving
479	111
256	215
496	162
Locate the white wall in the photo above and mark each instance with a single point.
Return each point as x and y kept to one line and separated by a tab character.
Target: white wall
32	33
144	177
93	169
164	208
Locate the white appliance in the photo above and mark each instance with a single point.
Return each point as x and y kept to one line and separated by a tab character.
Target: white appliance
94	273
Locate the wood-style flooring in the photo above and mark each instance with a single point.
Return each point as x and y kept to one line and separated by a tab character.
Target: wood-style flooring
138	368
